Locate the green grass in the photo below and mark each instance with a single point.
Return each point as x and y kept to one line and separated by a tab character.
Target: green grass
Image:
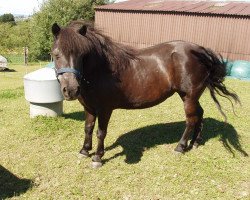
39	157
12	93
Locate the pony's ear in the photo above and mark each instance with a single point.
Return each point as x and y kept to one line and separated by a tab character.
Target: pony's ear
83	30
55	29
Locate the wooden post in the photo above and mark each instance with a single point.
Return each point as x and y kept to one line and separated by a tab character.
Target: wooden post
26	56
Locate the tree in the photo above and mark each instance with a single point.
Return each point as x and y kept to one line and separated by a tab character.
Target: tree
14	37
7	18
62	12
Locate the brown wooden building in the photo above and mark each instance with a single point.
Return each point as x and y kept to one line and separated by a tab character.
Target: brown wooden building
221	26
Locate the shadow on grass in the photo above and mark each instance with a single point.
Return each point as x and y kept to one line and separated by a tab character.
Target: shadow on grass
79	116
11	185
7	70
137	141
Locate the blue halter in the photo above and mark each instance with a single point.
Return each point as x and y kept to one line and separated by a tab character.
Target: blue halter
68	70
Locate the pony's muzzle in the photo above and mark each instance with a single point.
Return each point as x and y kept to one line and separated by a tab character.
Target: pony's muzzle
69	85
71	93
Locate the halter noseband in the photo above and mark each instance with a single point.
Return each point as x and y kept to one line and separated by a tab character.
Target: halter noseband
68	70
77	73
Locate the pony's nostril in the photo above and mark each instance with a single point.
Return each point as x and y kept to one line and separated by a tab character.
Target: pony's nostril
64	90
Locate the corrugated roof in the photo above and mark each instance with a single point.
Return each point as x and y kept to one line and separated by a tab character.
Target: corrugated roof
208	7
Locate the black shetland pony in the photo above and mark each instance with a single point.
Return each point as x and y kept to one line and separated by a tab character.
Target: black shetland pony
104	75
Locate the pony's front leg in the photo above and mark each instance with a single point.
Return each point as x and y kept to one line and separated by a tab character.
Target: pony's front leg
89	126
103	120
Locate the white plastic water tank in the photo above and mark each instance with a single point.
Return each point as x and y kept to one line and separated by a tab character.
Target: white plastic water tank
42	90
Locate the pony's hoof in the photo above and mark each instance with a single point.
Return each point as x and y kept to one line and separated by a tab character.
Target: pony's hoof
84	153
96	161
198	142
96	165
196	145
179	149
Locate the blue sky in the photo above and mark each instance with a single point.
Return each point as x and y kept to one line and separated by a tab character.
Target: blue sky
25	7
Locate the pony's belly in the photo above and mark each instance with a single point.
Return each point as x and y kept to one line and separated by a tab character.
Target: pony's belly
140	102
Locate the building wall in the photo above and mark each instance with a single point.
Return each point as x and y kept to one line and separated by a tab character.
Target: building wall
229	36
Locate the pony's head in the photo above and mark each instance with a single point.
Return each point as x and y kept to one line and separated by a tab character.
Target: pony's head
80	50
67	55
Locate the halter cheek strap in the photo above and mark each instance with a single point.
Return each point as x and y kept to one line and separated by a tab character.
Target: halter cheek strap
68	70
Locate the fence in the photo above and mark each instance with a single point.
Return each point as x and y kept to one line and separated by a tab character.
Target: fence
14	58
19	57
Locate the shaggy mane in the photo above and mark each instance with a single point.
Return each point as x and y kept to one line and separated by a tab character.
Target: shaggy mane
116	56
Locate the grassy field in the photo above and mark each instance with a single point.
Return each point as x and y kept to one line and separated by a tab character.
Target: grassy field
39	157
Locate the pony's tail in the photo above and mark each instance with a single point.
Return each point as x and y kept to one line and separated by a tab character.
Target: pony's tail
216	75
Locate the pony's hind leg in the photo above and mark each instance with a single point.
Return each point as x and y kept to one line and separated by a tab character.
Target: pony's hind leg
193	118
197	137
89	126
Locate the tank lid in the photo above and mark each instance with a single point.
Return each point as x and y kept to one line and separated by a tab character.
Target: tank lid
41	75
